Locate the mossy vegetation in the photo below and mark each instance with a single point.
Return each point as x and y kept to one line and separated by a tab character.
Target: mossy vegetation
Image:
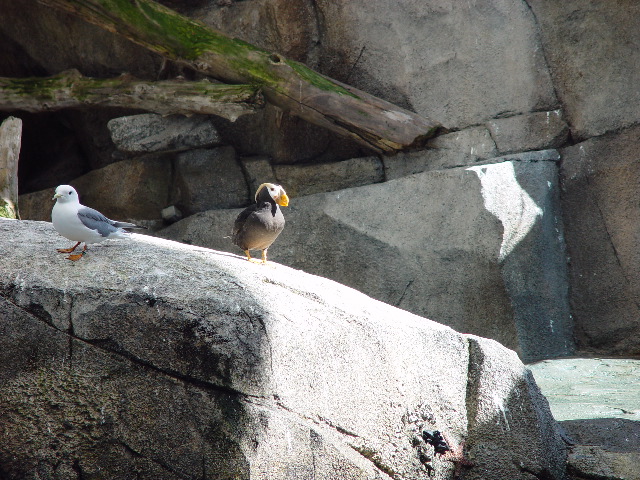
7	211
163	29
71	89
41	88
317	80
285	83
180	38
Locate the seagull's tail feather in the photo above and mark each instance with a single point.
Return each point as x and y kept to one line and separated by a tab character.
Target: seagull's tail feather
127	225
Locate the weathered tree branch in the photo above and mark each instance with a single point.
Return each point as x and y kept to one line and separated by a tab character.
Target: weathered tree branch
290	85
10	140
71	89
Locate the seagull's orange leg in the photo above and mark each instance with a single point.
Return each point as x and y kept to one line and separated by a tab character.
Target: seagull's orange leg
69	250
77	256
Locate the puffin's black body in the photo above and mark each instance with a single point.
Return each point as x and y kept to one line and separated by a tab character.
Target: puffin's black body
257	226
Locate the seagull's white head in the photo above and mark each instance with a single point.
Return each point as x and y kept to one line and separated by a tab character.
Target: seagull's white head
66	194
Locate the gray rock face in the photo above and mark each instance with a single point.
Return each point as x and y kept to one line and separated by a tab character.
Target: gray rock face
587	462
257	170
495	267
211	178
150	132
591	49
534	131
465	147
55	42
459	62
37	205
141	188
601	206
162	360
134	189
316	178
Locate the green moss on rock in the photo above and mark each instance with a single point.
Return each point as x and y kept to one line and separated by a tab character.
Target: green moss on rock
7	211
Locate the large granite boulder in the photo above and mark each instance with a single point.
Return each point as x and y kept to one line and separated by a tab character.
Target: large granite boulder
152	359
479	248
601	205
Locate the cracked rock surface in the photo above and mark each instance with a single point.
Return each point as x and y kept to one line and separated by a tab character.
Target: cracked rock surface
151	359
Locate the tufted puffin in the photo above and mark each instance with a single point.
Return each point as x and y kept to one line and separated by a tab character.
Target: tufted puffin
257	226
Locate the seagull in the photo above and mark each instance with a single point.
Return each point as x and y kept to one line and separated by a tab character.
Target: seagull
258	225
82	224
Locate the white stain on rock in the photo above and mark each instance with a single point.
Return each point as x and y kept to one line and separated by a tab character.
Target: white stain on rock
509	202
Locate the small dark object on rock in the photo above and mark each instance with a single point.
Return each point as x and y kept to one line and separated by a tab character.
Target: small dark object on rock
423	456
440	446
425	460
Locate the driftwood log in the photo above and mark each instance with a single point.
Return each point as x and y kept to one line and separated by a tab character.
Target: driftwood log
290	85
10	140
71	89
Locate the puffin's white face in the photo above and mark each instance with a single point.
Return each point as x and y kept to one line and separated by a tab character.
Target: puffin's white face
66	193
277	193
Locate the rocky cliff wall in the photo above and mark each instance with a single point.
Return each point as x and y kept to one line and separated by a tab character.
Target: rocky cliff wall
507	77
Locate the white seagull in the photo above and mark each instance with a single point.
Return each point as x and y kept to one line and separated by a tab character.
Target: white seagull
82	224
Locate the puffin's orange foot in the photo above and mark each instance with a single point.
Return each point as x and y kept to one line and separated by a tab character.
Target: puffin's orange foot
251	259
69	250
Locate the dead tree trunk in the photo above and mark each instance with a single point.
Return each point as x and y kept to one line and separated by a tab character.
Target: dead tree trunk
10	137
290	85
71	89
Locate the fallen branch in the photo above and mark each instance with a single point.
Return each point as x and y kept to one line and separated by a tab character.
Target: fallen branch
71	89
290	85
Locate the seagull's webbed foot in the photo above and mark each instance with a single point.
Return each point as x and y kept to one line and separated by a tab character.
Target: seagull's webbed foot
77	256
69	250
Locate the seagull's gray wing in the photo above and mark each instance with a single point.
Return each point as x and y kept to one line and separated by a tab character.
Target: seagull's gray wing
127	225
94	220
